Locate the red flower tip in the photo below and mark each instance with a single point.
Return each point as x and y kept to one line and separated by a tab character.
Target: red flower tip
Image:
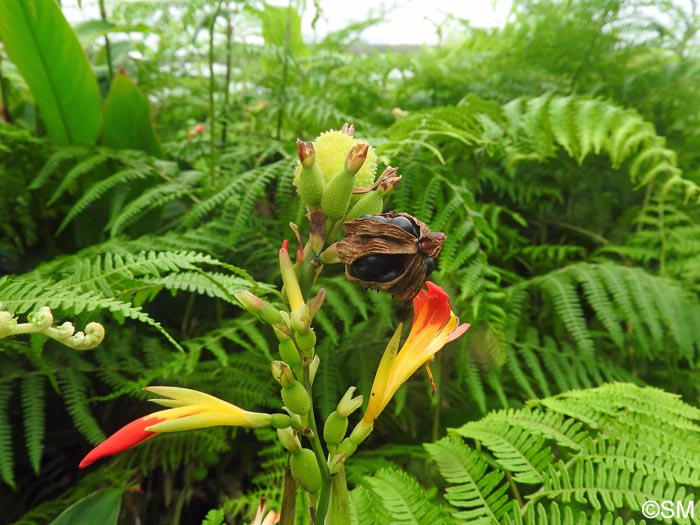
124	438
285	245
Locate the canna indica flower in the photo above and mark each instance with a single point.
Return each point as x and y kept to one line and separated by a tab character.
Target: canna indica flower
434	325
189	410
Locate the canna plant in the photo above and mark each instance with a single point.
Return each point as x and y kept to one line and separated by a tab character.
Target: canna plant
392	252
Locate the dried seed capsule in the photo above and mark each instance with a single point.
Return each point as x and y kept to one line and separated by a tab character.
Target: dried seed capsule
406	225
430	266
395	258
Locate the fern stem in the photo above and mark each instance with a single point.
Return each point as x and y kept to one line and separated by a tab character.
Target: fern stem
283	80
4	104
227	80
514	489
212	87
108	47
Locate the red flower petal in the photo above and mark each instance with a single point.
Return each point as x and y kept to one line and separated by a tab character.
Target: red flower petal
124	438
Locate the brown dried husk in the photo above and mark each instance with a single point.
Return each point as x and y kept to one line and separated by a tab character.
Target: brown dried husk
369	237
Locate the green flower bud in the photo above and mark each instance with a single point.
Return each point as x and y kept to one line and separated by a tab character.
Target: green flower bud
313	368
309	179
335	428
282	373
301	319
336	196
296	398
305	470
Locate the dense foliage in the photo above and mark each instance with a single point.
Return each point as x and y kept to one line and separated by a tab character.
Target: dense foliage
559	154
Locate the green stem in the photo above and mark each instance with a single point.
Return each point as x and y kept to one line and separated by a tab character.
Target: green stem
108	48
212	87
4	104
227	81
283	81
325	494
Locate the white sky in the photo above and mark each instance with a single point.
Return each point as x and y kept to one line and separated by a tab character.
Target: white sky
409	21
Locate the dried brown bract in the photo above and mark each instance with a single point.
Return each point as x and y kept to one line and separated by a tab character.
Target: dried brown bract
393	252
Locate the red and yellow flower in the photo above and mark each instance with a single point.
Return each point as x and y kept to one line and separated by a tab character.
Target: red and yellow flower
189	410
434	325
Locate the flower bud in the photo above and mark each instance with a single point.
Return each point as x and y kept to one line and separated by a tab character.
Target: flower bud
309	181
296	398
282	373
348	404
301	319
289	440
305	470
289	279
313	368
257	306
316	302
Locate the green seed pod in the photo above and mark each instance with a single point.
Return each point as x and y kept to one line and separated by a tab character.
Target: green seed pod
306	341
296	398
289	353
369	204
336	197
305	470
335	428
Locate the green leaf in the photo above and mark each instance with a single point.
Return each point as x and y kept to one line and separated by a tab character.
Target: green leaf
101	507
127	118
275	21
42	45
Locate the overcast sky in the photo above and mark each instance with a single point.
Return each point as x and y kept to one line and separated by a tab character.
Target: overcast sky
409	22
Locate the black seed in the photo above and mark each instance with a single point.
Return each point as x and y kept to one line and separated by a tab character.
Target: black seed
403	223
430	264
380	218
367	216
378	268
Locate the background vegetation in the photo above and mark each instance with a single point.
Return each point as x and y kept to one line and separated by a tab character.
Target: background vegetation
559	155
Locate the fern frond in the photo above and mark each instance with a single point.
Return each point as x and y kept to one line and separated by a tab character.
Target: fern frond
79	170
98	190
404	500
34	414
7	462
74	391
479	496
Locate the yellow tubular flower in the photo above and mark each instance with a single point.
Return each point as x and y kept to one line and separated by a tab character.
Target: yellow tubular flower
189	410
434	325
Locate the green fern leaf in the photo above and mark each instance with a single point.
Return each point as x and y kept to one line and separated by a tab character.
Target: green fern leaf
7	462
34	414
479	496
